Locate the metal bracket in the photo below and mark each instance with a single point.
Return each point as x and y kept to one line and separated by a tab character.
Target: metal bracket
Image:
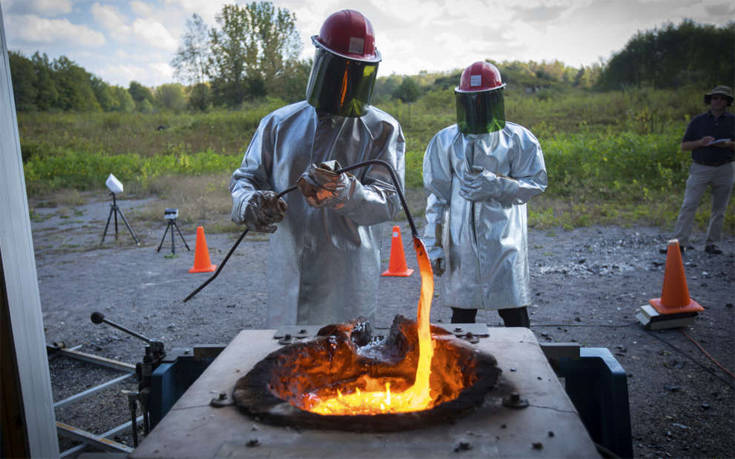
222	400
515	401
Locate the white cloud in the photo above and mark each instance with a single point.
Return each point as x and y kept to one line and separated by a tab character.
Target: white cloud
43	7
154	33
108	17
33	29
162	71
141	8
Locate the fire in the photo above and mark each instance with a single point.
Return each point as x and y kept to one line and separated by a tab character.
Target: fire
417	397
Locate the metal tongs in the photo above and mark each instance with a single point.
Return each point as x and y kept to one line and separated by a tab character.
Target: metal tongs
396	183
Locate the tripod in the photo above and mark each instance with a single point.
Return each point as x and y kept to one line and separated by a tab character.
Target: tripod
114	210
171	225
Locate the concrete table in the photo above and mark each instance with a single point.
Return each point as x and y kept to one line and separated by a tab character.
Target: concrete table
549	427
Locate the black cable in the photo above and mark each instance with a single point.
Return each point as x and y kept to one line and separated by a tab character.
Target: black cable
708	370
396	184
222	265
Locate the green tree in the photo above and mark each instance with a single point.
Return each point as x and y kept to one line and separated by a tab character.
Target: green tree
249	48
199	97
23	75
74	86
385	87
290	84
190	61
145	106
170	97
47	95
408	91
673	56
123	100
103	94
140	94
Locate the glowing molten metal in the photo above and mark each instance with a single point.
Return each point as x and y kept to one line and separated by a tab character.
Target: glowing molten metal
415	375
379	399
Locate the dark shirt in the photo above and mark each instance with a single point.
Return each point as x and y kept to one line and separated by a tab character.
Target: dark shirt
722	127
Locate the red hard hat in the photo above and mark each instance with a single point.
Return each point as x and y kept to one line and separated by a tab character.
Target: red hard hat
348	33
480	76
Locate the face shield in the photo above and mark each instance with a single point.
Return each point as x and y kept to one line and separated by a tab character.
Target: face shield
480	112
340	86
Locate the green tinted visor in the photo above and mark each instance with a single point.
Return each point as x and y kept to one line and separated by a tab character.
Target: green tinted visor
480	112
340	86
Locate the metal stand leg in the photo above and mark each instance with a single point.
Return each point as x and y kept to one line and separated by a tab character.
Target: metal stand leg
163	238
132	233
114	207
107	225
114	210
173	242
182	236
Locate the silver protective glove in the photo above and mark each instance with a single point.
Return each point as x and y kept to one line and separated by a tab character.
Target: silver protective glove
481	185
437	266
262	210
322	186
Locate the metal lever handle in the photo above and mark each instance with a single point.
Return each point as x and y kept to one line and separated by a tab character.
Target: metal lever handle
98	318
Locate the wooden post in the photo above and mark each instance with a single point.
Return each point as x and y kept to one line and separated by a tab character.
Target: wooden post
25	376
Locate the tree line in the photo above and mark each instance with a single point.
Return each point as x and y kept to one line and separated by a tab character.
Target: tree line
41	84
674	56
252	52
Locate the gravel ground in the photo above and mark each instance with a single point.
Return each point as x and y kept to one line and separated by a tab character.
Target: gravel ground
589	283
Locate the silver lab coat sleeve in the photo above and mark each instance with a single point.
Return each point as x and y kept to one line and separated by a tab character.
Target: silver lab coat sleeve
254	172
438	187
373	198
528	170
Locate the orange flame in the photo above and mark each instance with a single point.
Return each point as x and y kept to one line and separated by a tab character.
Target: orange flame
416	397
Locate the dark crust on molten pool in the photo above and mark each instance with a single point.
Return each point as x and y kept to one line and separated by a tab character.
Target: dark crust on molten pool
272	391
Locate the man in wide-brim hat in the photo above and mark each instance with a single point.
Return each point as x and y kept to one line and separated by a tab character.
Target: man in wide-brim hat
709	136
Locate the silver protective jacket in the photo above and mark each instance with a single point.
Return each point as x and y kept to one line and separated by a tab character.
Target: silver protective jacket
482	242
324	262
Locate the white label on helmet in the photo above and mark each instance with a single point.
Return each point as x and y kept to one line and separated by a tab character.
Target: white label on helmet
475	80
356	45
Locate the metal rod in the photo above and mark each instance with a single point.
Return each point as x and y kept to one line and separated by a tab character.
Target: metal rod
103	361
396	184
113	431
91	390
98	318
82	435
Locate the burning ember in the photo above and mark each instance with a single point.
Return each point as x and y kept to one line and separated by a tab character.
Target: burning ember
346	371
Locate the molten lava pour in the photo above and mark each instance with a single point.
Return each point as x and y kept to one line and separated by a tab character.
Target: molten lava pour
379	399
415	375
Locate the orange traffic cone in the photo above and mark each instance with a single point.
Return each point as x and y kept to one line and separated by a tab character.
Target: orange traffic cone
202	264
675	294
397	265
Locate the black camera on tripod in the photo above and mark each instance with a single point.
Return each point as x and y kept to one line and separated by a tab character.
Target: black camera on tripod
170	215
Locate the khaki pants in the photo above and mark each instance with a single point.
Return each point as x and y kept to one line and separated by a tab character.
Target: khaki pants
721	179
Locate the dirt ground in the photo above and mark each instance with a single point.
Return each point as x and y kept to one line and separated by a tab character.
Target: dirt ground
588	284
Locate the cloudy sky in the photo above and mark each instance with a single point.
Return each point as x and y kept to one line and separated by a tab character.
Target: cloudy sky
121	41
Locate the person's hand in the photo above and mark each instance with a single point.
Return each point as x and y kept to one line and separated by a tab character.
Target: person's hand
437	266
322	186
263	209
706	140
480	185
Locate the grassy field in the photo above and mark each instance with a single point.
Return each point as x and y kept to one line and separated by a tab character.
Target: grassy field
612	158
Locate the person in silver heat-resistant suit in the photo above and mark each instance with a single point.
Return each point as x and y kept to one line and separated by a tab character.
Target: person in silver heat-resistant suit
324	261
478	176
